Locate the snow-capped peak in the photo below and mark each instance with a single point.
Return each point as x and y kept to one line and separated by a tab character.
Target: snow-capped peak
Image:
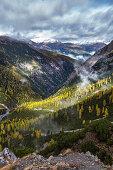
40	40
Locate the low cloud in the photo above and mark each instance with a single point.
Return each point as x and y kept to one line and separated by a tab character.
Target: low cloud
86	77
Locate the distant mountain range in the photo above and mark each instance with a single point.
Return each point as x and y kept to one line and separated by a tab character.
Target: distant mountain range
80	52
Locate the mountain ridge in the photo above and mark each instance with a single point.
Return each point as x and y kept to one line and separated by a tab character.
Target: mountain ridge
78	51
45	71
104	51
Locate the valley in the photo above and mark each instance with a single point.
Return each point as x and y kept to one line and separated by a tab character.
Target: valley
43	94
56	85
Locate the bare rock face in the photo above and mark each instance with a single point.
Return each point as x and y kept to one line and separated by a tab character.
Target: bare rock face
6	157
102	61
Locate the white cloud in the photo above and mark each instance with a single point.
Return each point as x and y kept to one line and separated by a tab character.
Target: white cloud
65	20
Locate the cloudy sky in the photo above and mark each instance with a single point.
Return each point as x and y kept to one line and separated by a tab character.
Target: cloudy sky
63	20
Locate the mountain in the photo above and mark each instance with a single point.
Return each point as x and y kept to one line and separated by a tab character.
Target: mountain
93	47
27	72
80	52
97	66
48	93
36	72
102	61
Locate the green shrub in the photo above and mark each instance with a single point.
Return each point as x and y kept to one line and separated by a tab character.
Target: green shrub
110	142
20	152
89	146
101	127
104	157
48	150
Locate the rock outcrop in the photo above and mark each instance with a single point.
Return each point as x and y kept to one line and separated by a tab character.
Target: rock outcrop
6	157
69	161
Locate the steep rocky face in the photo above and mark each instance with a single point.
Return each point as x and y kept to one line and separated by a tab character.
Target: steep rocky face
37	71
99	54
102	61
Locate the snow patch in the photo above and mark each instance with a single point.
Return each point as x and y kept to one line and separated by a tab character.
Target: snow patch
92	52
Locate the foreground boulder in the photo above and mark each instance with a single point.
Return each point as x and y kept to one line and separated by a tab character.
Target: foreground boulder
6	157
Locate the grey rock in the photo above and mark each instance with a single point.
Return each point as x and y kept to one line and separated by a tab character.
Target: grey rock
88	153
6	157
7	154
50	158
96	159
